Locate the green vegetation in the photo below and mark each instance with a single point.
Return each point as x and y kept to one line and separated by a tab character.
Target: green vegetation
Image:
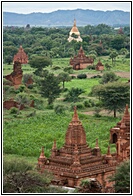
122	178
20	176
26	136
57	88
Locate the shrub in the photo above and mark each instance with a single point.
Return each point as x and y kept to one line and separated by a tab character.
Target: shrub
30	86
97	111
6	87
73	94
59	109
81	76
56	68
50	107
26	77
78	105
68	69
13	110
91	67
6	82
127	55
73	77
97	76
87	103
21	88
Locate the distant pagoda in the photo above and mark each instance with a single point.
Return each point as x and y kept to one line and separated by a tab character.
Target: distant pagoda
21	56
74	33
81	61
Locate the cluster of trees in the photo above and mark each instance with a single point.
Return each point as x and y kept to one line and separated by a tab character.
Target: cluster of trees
52	42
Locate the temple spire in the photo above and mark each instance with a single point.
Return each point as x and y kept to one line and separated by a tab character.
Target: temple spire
108	151
75	115
54	145
96	144
42	156
74	22
126	110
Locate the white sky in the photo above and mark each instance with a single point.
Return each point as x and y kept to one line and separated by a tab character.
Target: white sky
45	7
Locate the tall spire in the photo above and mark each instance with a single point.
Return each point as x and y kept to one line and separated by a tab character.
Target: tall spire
74	23
126	110
75	115
96	144
54	145
42	156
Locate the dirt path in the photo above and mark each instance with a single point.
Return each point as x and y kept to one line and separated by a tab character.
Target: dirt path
121	74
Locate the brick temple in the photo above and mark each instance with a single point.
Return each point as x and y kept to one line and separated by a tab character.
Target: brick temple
120	135
21	56
16	76
81	61
99	66
76	160
74	33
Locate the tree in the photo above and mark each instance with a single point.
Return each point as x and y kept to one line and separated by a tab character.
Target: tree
19	176
122	178
22	99
39	62
64	77
108	77
114	96
118	42
113	55
50	87
73	94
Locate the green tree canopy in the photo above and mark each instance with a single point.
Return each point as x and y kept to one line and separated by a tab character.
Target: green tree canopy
108	77
122	178
50	87
64	77
40	62
114	96
113	55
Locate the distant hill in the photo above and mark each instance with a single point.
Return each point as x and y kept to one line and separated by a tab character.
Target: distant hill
66	17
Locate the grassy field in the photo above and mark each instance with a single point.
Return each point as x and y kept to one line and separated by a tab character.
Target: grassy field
24	137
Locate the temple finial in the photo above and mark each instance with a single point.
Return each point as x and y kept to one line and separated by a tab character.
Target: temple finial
108	152
96	144
54	145
74	22
126	110
42	153
75	116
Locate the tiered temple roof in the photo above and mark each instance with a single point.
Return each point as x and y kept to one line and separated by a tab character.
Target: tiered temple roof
76	160
81	61
21	56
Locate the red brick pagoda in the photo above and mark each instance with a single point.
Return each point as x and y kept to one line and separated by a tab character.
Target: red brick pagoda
21	56
120	135
16	76
81	61
76	160
99	66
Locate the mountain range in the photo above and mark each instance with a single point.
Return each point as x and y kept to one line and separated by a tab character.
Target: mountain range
66	18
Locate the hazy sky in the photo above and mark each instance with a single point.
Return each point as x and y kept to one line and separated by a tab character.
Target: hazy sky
44	7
